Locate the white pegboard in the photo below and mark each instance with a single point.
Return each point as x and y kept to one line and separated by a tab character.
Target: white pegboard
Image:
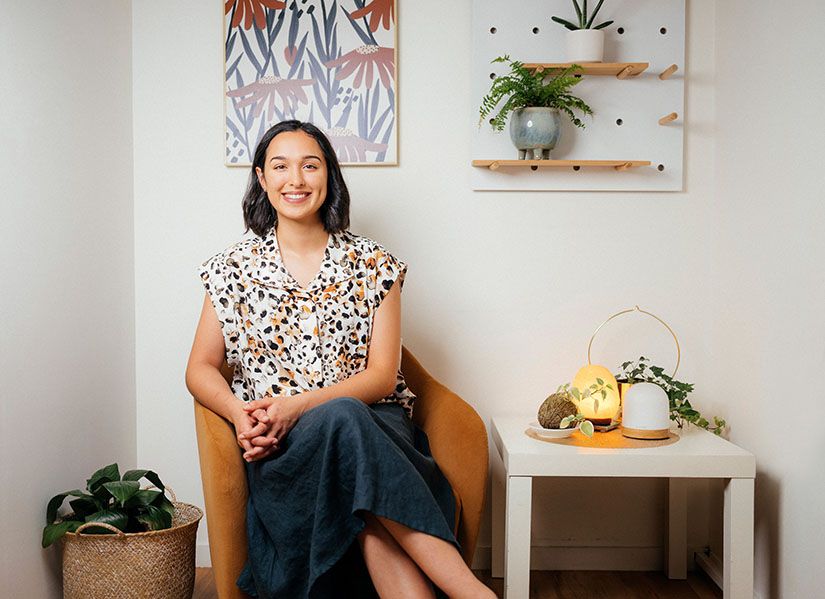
653	32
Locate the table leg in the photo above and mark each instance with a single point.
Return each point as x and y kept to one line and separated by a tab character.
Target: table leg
499	489
517	537
676	556
738	567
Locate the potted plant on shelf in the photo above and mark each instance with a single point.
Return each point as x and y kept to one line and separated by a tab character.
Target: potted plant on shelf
124	541
585	41
535	100
680	409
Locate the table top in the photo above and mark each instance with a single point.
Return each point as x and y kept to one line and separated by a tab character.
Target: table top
697	454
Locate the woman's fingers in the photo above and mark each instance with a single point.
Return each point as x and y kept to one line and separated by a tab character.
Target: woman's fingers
260	415
263	441
258	429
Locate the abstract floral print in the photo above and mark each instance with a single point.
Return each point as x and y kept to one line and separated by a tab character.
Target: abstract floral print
332	63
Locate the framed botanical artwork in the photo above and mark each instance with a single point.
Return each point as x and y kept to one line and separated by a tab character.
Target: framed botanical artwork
329	62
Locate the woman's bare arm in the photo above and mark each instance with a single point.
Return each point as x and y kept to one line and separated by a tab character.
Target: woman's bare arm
204	379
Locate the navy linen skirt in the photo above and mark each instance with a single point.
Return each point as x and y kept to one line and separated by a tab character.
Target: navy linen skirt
342	458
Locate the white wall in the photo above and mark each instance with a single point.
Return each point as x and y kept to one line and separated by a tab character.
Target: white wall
67	404
504	289
769	287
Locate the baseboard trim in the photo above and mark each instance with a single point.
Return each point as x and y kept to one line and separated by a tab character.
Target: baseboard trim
711	565
202	557
639	559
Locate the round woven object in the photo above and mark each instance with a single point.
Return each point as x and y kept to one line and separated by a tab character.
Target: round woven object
158	564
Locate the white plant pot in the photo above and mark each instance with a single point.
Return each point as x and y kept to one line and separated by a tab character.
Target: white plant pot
585	45
645	412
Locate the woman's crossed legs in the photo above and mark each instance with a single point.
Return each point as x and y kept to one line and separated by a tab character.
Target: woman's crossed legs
402	561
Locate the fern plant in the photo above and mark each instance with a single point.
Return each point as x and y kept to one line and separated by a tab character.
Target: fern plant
584	22
522	88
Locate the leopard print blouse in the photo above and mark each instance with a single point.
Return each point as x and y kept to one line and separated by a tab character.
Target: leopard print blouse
283	339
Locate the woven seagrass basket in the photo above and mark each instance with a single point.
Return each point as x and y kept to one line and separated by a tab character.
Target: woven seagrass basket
158	564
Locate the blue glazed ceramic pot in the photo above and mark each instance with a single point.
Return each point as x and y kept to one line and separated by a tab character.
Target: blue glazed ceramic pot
535	131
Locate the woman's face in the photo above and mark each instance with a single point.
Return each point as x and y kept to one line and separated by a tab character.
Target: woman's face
294	177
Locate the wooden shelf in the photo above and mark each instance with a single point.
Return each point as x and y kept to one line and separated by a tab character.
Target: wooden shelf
620	70
619	165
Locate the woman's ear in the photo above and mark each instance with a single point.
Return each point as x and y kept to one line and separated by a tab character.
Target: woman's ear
261	180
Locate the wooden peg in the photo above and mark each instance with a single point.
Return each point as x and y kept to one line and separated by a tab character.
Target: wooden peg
494	165
623	167
668	72
625	72
668	118
539	70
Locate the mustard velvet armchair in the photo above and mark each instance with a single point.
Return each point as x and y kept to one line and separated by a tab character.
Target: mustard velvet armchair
458	442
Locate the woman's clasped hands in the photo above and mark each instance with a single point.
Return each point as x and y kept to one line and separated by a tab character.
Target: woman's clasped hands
262	425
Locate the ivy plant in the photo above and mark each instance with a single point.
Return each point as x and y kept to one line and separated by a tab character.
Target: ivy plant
111	499
681	410
583	20
523	87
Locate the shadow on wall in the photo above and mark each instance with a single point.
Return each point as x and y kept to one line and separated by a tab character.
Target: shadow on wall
766	530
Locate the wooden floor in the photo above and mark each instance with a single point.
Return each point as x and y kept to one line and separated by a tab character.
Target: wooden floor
568	585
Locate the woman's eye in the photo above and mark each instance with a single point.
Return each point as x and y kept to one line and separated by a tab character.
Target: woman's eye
310	166
279	167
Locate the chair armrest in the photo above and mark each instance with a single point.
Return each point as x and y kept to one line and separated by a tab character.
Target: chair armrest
225	493
458	442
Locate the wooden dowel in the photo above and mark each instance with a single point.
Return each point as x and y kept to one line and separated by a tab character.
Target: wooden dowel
623	167
668	118
494	166
668	72
625	73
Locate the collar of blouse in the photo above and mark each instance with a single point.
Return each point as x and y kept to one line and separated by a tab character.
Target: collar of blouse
267	268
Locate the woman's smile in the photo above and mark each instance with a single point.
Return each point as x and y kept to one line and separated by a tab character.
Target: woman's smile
295	197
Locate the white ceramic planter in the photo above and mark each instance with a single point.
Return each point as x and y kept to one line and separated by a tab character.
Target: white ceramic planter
645	412
585	45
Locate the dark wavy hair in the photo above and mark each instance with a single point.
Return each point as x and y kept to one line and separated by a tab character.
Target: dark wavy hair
258	213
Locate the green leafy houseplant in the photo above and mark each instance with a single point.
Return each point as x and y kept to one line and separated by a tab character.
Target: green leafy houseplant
576	395
681	410
111	499
583	20
524	88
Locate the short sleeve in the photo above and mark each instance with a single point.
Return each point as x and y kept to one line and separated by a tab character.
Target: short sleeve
389	269
217	280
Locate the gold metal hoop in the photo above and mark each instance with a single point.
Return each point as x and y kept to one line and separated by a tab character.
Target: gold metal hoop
638	309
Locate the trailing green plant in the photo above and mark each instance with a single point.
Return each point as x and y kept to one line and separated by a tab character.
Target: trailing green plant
583	20
681	410
111	499
576	395
522	88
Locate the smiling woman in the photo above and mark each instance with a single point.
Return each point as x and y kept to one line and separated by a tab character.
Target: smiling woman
345	498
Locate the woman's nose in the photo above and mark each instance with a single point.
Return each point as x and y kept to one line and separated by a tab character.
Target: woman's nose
296	176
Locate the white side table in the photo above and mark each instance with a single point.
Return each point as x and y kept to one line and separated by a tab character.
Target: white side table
698	454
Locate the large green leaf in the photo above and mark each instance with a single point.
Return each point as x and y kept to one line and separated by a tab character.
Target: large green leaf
148	474
106	474
115	517
83	506
56	501
163	503
142	497
53	532
122	490
155	518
